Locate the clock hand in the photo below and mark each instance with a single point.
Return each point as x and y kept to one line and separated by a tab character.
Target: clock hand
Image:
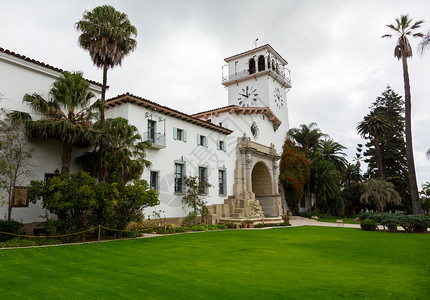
244	95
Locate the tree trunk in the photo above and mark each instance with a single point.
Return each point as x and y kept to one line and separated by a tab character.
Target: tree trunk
10	206
66	158
102	105
416	205
378	156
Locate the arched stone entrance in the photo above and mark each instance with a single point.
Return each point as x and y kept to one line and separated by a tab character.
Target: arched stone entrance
255	188
264	189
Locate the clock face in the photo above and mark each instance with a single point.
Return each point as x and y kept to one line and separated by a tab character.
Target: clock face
248	97
278	98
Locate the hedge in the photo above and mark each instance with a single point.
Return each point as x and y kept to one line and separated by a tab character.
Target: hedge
410	223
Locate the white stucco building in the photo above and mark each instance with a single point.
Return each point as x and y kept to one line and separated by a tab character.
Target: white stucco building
20	75
236	148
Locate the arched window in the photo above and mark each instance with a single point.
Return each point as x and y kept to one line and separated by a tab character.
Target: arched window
252	66
273	64
261	64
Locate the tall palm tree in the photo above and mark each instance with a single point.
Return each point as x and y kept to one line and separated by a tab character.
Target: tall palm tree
403	51
373	125
119	149
333	152
380	192
107	34
65	116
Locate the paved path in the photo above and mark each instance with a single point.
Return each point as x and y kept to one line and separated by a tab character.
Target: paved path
298	221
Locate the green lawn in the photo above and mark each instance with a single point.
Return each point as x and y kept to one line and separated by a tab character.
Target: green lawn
281	263
333	220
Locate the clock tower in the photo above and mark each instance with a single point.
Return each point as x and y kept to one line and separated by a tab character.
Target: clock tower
258	78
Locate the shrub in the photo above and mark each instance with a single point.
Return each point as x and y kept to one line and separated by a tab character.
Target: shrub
24	242
368	225
410	223
11	227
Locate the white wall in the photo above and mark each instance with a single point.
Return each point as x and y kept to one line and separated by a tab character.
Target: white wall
163	160
18	77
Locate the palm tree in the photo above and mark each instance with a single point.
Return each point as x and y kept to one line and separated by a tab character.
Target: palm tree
403	51
375	124
380	192
352	175
308	137
108	36
65	116
333	152
326	184
118	149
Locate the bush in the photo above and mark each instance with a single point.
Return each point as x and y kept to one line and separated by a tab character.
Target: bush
368	225
11	227
24	242
410	223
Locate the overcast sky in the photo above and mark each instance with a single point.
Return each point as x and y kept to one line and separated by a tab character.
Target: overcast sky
338	62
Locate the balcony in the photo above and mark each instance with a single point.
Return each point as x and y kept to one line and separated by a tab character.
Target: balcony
158	140
244	73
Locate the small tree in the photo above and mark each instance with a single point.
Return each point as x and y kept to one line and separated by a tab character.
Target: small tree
294	174
194	195
15	157
380	192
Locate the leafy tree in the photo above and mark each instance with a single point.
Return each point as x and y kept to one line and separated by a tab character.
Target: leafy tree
107	34
119	149
428	153
373	125
380	192
294	174
65	116
71	200
80	202
403	50
194	195
15	157
128	200
392	144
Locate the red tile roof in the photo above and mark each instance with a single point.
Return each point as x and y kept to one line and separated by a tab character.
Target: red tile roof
23	57
129	98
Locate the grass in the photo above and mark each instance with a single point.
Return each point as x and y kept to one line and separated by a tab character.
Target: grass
293	263
333	220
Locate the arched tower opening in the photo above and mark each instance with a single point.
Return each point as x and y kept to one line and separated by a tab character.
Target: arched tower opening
252	66
261	63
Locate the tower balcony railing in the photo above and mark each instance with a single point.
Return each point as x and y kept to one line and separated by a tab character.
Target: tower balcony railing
158	140
238	75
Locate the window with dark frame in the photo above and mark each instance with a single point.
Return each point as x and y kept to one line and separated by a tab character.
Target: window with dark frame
222	188
153	181
151	130
179	178
203	177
